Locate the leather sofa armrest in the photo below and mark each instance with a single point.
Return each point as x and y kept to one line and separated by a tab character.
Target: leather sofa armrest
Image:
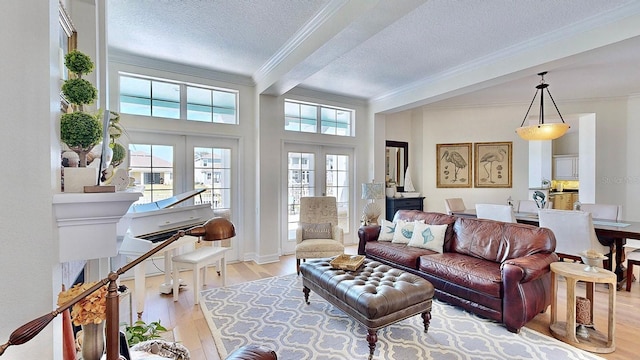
528	268
367	233
252	352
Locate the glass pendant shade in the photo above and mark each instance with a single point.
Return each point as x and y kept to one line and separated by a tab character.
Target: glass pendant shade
542	131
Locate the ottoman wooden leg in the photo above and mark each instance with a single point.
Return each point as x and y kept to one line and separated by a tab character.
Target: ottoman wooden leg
306	292
426	319
372	339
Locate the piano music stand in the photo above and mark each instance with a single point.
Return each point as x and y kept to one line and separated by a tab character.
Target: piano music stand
214	229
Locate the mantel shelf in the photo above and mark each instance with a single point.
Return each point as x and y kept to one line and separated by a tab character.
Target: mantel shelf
87	223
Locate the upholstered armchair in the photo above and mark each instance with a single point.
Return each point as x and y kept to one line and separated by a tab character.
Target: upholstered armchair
318	234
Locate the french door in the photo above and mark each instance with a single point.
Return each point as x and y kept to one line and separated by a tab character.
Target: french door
316	171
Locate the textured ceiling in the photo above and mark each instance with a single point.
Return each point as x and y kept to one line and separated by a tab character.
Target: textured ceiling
395	53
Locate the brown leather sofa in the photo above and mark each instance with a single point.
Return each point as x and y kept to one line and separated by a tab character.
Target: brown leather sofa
494	269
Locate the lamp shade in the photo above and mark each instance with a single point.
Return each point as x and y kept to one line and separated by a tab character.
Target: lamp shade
372	191
217	228
542	131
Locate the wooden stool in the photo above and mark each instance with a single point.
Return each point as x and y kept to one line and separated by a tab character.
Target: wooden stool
566	330
196	260
633	258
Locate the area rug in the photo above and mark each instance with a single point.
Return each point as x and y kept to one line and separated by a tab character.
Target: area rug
272	312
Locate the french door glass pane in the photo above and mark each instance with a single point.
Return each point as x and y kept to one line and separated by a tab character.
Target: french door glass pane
337	185
152	167
212	171
300	182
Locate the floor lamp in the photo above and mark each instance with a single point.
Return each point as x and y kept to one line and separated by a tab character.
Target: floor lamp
213	230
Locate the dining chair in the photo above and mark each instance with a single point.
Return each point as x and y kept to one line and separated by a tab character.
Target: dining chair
603	211
454	204
530	206
318	234
496	212
574	233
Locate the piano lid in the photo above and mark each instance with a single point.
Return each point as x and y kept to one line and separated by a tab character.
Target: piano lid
165	203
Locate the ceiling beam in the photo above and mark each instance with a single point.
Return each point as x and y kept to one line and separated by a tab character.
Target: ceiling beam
336	29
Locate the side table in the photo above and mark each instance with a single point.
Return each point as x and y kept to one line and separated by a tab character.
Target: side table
566	330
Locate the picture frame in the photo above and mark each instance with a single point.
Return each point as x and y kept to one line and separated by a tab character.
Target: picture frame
68	43
493	164
453	165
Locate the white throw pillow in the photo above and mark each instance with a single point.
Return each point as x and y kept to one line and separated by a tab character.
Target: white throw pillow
428	236
403	232
386	230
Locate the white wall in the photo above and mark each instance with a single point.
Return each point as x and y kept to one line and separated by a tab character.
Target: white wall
30	111
616	179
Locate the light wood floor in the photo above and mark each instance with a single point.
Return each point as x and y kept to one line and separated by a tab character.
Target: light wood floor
191	328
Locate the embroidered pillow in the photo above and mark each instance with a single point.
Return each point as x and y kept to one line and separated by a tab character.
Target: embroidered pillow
316	231
428	236
386	230
403	232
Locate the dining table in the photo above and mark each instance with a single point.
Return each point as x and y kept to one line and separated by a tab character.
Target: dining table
609	232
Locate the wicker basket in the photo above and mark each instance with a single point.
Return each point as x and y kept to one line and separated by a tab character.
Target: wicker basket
347	262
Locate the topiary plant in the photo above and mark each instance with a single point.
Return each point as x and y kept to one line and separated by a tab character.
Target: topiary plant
79	130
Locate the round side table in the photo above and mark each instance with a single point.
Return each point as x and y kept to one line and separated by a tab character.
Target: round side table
566	330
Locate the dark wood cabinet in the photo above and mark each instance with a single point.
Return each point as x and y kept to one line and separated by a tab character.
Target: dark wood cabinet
395	204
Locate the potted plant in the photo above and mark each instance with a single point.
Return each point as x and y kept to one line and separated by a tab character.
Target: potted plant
80	130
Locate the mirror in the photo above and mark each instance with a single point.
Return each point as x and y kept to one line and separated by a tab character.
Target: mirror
396	162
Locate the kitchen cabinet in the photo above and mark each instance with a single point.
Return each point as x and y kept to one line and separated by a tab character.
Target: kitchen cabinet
565	167
563	201
395	204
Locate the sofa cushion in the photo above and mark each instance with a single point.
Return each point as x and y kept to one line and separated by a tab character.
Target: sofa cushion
429	218
498	241
396	253
428	236
469	272
386	230
403	232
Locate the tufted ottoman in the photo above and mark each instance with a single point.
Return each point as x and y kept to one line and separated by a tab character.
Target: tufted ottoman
375	295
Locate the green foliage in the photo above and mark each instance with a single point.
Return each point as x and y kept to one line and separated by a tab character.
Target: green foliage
78	62
79	91
80	130
141	331
119	153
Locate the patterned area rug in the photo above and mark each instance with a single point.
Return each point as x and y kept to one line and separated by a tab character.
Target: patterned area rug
272	312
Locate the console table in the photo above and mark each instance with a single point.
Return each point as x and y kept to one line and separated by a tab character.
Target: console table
395	204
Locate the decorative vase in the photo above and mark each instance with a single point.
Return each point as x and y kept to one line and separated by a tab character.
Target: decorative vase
92	341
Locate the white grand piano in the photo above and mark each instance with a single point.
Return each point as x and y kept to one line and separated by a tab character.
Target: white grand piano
145	226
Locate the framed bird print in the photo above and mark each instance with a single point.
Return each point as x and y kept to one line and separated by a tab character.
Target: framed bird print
453	165
493	164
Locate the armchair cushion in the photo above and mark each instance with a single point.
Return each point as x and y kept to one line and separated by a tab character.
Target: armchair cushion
316	231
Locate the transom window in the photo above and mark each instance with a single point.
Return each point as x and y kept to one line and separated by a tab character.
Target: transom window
316	118
177	100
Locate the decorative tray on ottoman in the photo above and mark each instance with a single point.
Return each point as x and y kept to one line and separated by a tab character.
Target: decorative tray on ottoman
347	262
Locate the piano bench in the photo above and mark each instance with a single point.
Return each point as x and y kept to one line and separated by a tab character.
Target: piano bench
197	260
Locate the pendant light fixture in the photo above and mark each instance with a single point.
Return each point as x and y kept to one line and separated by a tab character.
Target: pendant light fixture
542	131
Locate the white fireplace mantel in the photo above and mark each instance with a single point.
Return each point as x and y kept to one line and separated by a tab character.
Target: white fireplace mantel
87	223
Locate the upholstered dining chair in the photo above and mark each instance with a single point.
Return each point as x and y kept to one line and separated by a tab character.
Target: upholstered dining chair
496	212
530	206
454	204
603	211
574	232
318	234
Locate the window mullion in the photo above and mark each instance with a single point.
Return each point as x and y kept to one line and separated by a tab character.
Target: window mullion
183	101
